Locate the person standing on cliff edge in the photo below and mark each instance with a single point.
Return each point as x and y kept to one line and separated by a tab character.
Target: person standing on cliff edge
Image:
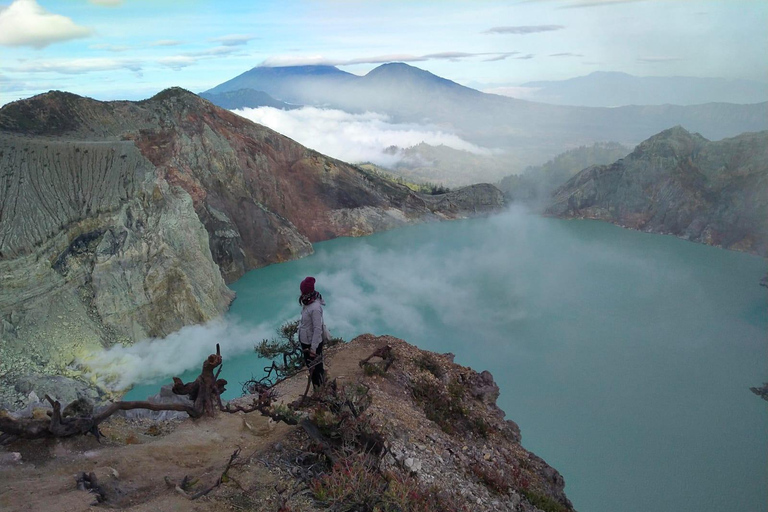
312	330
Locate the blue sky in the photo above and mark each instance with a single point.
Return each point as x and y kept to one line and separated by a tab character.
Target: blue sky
131	49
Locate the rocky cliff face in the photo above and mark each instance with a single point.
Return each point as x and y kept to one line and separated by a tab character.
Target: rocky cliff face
123	220
95	251
682	184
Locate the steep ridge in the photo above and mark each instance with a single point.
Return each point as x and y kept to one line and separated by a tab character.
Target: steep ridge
680	183
123	220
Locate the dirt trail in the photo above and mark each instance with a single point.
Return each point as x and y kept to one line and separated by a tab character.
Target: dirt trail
133	463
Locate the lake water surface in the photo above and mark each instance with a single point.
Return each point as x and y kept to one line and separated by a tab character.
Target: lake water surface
625	357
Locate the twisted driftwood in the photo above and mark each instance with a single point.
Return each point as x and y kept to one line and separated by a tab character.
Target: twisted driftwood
384	353
205	392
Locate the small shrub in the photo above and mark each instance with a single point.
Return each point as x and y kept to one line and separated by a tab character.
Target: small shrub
520	478
286	355
350	485
441	406
436	190
334	341
405	494
341	417
428	363
480	426
456	390
542	501
492	478
371	369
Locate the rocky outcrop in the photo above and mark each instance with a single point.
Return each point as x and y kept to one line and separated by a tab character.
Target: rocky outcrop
424	434
124	220
441	424
682	184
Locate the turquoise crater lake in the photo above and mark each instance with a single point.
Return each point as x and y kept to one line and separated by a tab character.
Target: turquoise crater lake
625	357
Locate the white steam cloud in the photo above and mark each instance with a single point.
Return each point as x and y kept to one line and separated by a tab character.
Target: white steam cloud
121	367
353	138
411	290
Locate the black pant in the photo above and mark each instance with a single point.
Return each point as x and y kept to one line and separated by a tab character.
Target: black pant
317	372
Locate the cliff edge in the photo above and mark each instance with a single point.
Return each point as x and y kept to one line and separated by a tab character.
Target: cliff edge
424	435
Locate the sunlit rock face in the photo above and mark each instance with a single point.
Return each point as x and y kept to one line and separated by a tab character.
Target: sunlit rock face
682	184
124	220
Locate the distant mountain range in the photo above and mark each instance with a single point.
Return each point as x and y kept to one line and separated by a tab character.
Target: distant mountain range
610	89
533	132
680	183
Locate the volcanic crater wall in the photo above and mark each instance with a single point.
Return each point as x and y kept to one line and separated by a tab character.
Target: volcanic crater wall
124	220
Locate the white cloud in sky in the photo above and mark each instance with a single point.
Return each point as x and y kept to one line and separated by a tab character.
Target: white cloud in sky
319	60
107	3
233	39
111	47
78	66
598	3
353	138
177	62
166	42
25	23
653	59
216	50
524	29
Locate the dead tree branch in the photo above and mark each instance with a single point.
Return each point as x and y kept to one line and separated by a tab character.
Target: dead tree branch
181	488
384	353
205	393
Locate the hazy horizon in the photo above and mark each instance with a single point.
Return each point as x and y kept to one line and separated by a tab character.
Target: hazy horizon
131	49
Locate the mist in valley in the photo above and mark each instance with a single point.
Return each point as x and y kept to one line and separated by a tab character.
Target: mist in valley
355	138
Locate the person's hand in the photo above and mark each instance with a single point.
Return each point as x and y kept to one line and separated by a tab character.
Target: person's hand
312	354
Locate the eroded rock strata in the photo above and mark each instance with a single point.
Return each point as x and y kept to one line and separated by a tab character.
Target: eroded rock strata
682	184
125	220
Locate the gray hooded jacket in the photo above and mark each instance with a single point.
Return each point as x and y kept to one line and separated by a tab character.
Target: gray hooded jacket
311	324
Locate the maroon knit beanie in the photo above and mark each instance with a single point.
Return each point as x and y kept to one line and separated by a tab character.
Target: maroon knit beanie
307	285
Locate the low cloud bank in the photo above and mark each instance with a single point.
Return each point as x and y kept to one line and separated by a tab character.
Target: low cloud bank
121	367
353	138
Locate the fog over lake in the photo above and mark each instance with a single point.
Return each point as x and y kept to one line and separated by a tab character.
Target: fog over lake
625	357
